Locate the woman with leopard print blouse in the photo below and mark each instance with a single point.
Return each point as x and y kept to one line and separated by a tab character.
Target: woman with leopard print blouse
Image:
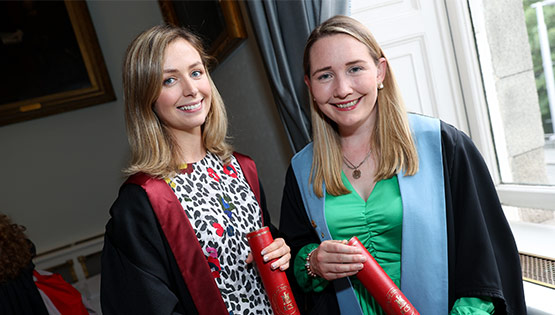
176	240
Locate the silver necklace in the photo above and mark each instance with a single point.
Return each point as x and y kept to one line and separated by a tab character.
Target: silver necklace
356	171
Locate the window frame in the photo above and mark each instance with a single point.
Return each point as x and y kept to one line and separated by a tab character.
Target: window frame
480	122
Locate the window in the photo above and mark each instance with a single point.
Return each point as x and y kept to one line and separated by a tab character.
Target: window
518	113
521	129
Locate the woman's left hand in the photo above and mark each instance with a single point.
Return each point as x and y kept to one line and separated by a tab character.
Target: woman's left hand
278	249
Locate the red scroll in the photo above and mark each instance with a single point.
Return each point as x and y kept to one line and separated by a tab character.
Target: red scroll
380	286
275	281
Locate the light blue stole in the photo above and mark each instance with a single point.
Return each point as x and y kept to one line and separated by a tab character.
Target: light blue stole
424	270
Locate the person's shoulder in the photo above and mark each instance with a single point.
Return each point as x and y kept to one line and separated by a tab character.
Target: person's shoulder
304	152
132	208
243	159
131	193
132	187
239	155
423	124
453	135
416	117
144	179
421	118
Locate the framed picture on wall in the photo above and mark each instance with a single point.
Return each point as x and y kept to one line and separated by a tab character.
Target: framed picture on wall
50	59
218	23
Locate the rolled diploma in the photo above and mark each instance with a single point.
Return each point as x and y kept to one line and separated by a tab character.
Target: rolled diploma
380	286
275	281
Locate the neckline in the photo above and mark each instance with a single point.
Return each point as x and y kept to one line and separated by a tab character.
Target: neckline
354	191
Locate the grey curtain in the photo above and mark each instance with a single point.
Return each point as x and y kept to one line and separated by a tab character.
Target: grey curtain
281	28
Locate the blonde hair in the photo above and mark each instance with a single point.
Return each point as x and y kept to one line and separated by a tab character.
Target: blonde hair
391	138
153	150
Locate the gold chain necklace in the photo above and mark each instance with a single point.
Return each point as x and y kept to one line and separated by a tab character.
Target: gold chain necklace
356	171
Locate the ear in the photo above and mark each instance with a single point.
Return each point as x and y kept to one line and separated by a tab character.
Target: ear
382	69
307	82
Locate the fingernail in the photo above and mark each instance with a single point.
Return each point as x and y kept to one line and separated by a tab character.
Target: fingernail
263	252
265	258
274	266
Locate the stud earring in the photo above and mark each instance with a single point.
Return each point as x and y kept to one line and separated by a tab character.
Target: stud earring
380	86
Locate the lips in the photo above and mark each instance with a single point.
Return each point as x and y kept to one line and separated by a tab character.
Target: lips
191	107
350	105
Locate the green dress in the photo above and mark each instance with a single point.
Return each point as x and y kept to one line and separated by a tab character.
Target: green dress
377	222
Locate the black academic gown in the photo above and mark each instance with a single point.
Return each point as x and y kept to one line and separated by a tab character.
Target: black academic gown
20	296
141	271
483	259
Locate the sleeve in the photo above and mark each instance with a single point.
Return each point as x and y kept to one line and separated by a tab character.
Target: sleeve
137	265
483	258
307	283
473	306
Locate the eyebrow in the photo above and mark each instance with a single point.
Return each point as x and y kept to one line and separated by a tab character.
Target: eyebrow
320	70
347	64
194	65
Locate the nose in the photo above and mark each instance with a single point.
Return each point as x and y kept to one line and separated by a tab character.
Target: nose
189	87
342	88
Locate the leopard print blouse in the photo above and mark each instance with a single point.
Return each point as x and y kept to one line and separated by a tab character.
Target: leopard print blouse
222	209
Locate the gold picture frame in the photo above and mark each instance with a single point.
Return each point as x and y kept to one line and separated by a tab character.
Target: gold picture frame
53	67
218	22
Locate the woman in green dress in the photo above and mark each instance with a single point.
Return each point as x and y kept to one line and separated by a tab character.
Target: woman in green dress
413	189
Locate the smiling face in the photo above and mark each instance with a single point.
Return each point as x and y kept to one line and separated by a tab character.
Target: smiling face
185	97
343	80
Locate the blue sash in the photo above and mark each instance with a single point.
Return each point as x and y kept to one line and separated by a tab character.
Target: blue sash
424	270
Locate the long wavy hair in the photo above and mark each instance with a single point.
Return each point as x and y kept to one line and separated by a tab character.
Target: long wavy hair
391	138
15	249
153	149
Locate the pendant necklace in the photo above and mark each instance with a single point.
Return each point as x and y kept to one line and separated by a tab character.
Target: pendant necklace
356	171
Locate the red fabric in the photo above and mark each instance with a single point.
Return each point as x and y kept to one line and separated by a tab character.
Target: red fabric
62	294
184	244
